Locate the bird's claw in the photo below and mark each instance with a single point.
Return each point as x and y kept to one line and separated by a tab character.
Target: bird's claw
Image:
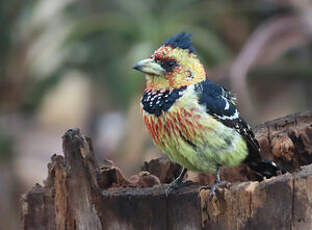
175	185
213	188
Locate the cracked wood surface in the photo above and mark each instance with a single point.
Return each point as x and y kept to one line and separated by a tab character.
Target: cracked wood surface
79	194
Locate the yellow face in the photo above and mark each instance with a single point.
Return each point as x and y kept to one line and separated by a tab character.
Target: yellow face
171	68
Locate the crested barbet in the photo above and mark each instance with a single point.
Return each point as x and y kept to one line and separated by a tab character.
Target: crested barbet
193	120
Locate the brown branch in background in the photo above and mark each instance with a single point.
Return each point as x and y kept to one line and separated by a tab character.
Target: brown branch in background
267	43
78	194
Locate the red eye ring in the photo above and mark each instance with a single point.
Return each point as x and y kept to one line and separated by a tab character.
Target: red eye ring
157	60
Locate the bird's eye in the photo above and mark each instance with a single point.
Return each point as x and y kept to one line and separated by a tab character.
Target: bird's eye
157	60
168	64
171	63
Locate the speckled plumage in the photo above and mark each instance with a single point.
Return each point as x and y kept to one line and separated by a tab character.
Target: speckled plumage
192	119
194	138
160	101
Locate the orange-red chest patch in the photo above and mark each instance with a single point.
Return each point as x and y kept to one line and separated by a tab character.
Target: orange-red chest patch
179	123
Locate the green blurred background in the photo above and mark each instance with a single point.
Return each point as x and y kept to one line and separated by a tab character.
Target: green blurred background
67	63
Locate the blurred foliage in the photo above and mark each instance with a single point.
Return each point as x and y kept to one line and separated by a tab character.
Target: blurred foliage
44	42
41	40
6	151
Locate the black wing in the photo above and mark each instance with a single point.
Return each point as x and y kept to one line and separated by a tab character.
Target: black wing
219	103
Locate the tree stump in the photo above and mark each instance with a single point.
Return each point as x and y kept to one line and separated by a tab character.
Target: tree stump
80	194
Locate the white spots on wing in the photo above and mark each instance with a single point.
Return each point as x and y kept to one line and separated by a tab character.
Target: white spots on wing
273	163
232	117
227	104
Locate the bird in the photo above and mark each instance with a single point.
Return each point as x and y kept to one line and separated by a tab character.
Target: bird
194	120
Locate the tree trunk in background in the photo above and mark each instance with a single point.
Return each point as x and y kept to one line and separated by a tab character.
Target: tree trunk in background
78	194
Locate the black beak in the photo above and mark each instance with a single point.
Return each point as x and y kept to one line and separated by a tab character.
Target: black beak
137	67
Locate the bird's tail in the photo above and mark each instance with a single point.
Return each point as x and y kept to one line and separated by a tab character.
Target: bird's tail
266	168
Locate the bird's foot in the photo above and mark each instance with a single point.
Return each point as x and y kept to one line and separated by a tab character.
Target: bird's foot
176	184
213	188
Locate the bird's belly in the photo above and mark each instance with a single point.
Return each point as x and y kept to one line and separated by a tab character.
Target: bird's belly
195	139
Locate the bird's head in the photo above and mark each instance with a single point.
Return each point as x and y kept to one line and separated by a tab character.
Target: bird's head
173	65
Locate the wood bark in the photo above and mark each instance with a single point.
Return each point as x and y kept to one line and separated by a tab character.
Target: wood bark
80	194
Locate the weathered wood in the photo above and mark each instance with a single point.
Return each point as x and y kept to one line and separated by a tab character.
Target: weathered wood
78	194
288	140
